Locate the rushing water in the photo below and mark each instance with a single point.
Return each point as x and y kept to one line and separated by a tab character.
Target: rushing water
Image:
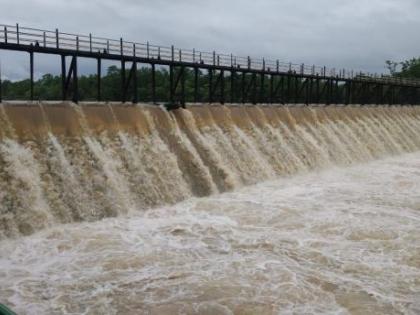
68	163
341	241
320	211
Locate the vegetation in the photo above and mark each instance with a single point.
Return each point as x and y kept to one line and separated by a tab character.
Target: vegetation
49	86
405	69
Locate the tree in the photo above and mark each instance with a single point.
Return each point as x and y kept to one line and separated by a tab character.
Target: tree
392	66
408	68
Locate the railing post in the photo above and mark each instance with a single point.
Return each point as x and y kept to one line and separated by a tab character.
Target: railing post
278	66
57	43
17	34
5	34
45	39
77	43
249	62
148	50
90	42
173	53
121	47
214	58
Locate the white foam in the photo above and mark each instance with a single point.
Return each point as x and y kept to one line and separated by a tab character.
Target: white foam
340	241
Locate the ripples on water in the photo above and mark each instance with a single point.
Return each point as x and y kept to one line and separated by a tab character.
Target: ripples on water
341	241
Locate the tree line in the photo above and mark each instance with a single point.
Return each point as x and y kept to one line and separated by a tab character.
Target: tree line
49	87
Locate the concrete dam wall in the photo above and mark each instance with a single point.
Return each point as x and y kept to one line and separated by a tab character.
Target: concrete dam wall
62	163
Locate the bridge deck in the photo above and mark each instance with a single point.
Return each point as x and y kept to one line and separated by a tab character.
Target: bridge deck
306	83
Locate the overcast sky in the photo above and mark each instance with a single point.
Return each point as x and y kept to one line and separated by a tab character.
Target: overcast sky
352	34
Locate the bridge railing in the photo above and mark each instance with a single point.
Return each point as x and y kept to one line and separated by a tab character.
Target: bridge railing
55	39
16	34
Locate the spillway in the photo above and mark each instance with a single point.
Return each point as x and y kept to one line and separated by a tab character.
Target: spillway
123	209
62	163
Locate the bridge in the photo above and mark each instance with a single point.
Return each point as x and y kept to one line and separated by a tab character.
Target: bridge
229	78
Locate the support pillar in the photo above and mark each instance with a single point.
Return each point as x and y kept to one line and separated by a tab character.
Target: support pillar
232	86
195	85
63	78
31	70
222	87
171	83
211	98
99	79
154	83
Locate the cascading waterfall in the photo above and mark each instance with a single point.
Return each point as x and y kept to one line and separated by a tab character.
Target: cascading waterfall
63	163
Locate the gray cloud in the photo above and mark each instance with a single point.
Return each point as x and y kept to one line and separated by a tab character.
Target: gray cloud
358	34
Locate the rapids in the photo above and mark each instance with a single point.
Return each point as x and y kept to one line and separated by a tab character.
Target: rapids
339	241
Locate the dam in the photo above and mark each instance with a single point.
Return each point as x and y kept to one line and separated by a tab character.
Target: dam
112	208
238	186
65	163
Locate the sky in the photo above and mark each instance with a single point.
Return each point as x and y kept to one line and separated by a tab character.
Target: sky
350	34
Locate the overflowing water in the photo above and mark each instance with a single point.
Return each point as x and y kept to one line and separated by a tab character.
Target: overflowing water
331	223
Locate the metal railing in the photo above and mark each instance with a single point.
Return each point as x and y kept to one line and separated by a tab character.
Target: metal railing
15	34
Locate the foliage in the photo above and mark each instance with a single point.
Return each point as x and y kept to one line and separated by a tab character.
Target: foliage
405	69
49	87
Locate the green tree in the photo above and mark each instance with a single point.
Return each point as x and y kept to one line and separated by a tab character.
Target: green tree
405	69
